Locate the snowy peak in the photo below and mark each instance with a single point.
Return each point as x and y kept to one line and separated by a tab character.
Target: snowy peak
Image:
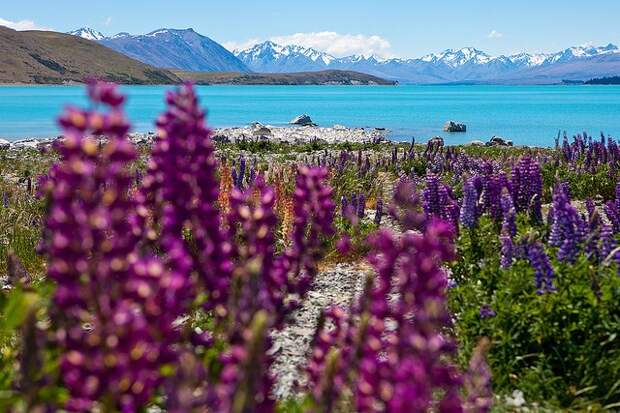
526	59
458	58
176	48
120	35
580	52
273	51
173	32
88	34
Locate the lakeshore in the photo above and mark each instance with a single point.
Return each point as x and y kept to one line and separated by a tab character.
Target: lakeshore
527	115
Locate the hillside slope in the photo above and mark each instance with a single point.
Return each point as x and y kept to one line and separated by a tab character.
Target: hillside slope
181	49
54	58
326	77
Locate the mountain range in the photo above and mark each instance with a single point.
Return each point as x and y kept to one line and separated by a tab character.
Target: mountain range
171	49
191	51
464	65
46	57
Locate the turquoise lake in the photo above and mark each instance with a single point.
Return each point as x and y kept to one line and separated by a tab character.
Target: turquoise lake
528	115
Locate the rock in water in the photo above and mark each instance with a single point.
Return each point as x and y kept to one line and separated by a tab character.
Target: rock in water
302	120
475	143
498	141
452	126
4	144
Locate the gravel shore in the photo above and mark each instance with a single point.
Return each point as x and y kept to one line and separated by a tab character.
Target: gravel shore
338	284
256	131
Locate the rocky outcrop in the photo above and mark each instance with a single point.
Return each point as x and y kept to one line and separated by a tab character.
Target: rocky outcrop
498	141
452	126
302	120
476	143
4	144
436	141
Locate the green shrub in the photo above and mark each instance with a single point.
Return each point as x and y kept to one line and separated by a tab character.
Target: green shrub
562	347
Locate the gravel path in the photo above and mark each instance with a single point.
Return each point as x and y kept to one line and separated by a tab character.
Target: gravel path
337	284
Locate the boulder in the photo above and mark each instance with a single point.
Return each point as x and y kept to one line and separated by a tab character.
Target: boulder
437	141
4	144
498	141
262	131
475	143
452	126
302	120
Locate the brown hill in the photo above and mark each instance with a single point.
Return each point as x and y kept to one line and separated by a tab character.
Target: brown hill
326	77
56	58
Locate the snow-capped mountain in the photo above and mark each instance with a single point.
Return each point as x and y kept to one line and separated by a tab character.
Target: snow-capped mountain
88	34
179	49
457	58
170	48
188	50
463	65
580	52
269	57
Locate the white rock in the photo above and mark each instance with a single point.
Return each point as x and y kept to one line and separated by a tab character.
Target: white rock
302	120
517	399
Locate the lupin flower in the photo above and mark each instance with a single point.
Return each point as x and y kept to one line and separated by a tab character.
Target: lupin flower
509	225
608	243
543	271
469	209
266	287
478	380
486	312
354	203
507	251
361	207
343	245
492	186
325	368
439	202
395	368
241	173
612	211
179	193
245	382
404	380
406	207
378	212
101	279
568	227
527	187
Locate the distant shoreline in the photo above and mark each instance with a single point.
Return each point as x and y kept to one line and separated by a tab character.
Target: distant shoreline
74	84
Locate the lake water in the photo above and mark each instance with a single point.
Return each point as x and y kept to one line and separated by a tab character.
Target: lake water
529	115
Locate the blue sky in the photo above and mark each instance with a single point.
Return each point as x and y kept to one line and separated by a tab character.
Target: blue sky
403	28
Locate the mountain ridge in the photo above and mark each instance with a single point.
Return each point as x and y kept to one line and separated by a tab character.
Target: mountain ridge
183	49
44	57
451	65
